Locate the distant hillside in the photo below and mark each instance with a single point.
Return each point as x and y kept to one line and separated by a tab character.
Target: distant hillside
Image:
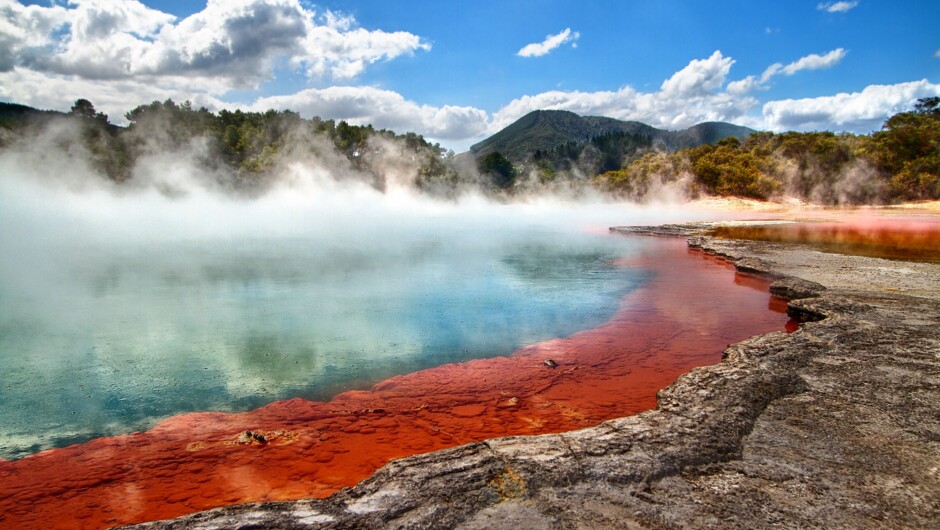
243	150
14	115
705	133
544	130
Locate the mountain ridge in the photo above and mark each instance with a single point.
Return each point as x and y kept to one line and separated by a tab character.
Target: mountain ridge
546	129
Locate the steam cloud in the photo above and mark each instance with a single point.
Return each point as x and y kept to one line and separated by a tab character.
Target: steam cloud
76	246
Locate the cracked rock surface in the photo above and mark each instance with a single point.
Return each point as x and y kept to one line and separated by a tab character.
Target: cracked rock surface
836	425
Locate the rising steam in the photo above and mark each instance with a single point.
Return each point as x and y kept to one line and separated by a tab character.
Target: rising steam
174	291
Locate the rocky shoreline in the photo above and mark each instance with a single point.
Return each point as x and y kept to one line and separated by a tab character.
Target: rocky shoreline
835	425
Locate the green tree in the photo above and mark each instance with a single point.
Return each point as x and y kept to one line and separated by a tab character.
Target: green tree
498	169
907	149
635	180
83	108
729	170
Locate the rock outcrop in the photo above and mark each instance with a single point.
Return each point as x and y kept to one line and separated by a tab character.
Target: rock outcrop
833	426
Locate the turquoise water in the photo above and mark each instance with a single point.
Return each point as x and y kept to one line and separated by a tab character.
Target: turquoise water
101	335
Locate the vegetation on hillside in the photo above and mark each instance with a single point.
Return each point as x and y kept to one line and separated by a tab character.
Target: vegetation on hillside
547	129
243	149
578	159
900	162
497	169
560	149
246	150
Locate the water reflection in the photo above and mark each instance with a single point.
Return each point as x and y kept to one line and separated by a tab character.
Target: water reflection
104	340
902	239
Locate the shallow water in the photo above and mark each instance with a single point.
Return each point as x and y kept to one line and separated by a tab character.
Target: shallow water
689	309
909	239
119	313
111	339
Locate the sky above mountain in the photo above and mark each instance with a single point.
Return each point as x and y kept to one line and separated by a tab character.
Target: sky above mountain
457	72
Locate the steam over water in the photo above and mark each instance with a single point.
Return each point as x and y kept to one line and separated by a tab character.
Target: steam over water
119	307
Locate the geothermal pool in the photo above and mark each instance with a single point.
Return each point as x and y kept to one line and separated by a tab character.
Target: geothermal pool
142	336
109	340
685	309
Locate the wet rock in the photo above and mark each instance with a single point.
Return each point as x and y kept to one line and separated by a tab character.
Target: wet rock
791	288
683	230
251	437
754	265
697	241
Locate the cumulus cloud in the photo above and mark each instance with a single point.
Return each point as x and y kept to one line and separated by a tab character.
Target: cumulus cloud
859	112
382	109
699	92
344	52
24	27
837	7
357	105
700	76
696	93
237	42
810	62
538	49
745	86
121	53
691	95
113	97
814	62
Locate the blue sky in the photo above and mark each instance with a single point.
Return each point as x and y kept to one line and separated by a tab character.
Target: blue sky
453	70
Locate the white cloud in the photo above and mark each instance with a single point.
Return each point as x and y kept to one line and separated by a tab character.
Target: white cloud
837	7
457	126
699	93
690	96
814	62
659	109
345	53
696	93
113	97
23	27
859	112
538	49
229	44
937	54
700	76
382	109
745	86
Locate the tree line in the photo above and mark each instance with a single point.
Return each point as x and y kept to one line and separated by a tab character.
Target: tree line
901	162
898	163
245	147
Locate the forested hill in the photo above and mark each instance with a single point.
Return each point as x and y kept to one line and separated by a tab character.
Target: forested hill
14	116
546	130
901	162
247	153
244	150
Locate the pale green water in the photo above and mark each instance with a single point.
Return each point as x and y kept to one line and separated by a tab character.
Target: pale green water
102	336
